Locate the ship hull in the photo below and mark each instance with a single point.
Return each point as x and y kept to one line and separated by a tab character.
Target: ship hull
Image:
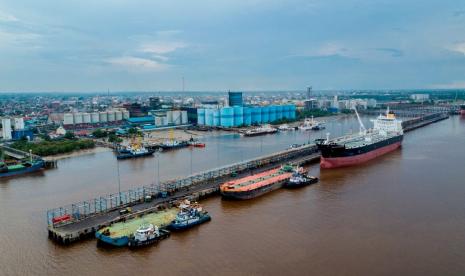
259	133
345	161
242	195
180	227
130	155
31	169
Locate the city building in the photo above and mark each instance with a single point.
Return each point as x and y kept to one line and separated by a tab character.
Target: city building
235	98
419	98
310	104
6	129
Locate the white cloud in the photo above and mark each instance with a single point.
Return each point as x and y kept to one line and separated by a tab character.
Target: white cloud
458	47
18	39
5	17
136	63
452	85
162	47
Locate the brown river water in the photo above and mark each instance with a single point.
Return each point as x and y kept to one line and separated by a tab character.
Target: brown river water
402	214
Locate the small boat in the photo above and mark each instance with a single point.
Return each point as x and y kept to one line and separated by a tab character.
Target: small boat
318	126
265	129
285	127
299	179
147	234
189	216
196	143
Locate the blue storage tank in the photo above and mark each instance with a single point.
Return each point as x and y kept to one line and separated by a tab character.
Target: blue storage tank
201	116
247	116
216	117
238	115
227	117
256	115
209	117
292	112
272	113
265	114
279	112
286	111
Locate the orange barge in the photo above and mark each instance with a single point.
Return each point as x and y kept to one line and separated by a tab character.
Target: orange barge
256	185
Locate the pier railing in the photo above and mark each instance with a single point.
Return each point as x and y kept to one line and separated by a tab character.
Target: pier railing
84	209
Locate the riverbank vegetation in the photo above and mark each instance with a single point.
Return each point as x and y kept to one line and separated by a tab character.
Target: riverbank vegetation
53	147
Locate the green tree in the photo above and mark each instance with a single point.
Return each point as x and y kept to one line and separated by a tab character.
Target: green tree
112	138
69	135
99	133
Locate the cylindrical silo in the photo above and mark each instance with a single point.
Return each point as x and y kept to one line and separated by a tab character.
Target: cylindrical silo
272	113
125	114
292	112
111	116
169	116
118	115
216	117
247	116
238	116
94	118
209	117
256	115
78	118
201	116
176	117
159	118
103	116
68	119
227	116
279	112
86	118
184	119
265	114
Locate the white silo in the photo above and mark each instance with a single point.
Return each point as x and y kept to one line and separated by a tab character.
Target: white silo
176	117
111	116
118	115
94	117
169	117
78	118
86	118
184	117
103	116
68	119
125	114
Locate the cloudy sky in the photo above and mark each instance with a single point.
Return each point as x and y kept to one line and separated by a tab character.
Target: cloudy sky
125	45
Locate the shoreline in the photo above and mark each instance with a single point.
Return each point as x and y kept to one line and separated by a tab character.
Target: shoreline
97	149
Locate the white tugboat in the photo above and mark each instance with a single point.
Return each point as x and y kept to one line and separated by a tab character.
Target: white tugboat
309	124
147	234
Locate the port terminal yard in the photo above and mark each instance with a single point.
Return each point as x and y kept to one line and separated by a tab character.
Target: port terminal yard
74	222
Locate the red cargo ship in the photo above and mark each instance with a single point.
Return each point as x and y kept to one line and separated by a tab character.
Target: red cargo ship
386	136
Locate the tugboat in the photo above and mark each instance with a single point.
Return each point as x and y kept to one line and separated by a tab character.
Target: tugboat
147	234
285	127
133	151
299	179
173	144
318	126
265	129
309	124
189	216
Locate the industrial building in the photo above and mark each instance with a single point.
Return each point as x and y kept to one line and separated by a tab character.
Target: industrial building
235	98
79	118
244	116
161	119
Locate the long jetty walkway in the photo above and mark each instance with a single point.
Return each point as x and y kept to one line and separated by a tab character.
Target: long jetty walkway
77	221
